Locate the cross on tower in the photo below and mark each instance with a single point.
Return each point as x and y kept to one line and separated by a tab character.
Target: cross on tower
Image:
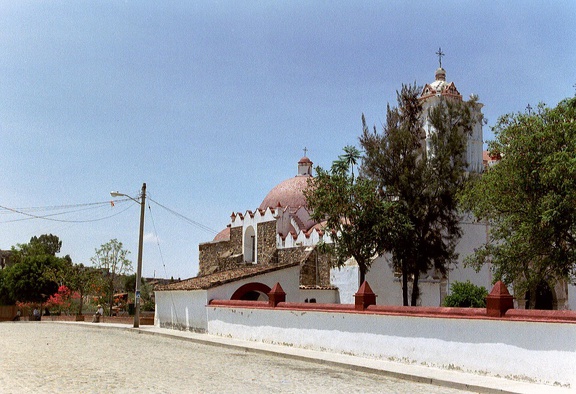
440	54
305	151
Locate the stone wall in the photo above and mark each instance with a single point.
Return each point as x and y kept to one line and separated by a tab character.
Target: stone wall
315	270
267	243
314	266
223	255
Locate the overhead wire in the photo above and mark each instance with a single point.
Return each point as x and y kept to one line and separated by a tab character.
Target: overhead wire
186	219
161	256
50	217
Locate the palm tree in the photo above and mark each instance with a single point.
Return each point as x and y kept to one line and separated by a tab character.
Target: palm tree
350	158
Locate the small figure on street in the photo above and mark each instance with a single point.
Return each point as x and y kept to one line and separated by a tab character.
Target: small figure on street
18	314
36	314
97	315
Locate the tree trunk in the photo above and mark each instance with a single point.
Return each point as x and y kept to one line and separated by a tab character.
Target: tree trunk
81	303
415	289
533	291
404	284
362	274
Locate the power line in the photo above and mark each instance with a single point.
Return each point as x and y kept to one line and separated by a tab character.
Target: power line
49	217
186	219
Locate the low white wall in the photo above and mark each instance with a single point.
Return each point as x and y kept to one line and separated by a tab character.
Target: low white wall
186	309
320	296
545	352
182	310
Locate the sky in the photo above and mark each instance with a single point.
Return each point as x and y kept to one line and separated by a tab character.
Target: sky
211	103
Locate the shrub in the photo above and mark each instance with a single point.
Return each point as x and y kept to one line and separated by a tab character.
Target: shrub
466	295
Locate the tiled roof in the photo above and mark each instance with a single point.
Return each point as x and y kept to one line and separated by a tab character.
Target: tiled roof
318	287
223	277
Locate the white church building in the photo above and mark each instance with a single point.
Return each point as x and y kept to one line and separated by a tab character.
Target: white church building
277	243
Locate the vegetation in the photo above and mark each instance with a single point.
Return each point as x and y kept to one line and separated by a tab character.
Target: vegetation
34	272
466	295
111	259
5	296
529	198
423	180
81	280
360	224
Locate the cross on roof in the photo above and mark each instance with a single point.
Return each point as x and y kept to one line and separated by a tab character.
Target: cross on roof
440	54
305	151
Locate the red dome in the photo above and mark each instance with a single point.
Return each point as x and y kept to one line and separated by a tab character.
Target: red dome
223	235
289	193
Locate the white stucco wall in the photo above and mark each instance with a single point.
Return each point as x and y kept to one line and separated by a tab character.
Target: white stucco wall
183	310
186	310
321	296
545	352
288	278
383	284
474	235
571	297
345	278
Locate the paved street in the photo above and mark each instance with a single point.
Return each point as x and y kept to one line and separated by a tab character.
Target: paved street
71	358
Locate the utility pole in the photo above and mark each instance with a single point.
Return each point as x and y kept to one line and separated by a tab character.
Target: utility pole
139	268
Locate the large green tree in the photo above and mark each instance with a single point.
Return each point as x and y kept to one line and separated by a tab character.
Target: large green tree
5	297
529	198
111	259
360	224
34	278
45	244
423	178
35	271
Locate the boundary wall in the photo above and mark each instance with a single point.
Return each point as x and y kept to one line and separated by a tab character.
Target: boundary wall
536	346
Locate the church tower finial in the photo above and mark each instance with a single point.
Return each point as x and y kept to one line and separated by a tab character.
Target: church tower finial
440	54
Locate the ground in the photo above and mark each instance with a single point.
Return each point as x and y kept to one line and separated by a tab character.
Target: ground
72	358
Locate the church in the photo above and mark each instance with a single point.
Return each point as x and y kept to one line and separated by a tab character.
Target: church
277	243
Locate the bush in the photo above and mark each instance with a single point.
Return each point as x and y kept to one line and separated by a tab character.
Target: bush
466	295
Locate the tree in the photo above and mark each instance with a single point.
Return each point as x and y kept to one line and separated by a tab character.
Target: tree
111	259
35	271
5	298
80	279
423	177
529	198
360	223
46	244
34	278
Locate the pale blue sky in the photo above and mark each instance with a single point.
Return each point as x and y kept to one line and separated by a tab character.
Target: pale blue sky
211	102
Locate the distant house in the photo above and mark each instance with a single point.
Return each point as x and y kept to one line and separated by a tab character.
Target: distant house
5	258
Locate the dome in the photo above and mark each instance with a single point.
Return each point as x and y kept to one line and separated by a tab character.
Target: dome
223	235
289	193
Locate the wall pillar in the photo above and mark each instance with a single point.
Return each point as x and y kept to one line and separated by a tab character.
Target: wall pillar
499	300
364	297
276	296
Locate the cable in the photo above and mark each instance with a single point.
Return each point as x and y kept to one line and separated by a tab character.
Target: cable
162	257
30	216
190	221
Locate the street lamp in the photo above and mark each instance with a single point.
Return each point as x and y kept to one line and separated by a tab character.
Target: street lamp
142	203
